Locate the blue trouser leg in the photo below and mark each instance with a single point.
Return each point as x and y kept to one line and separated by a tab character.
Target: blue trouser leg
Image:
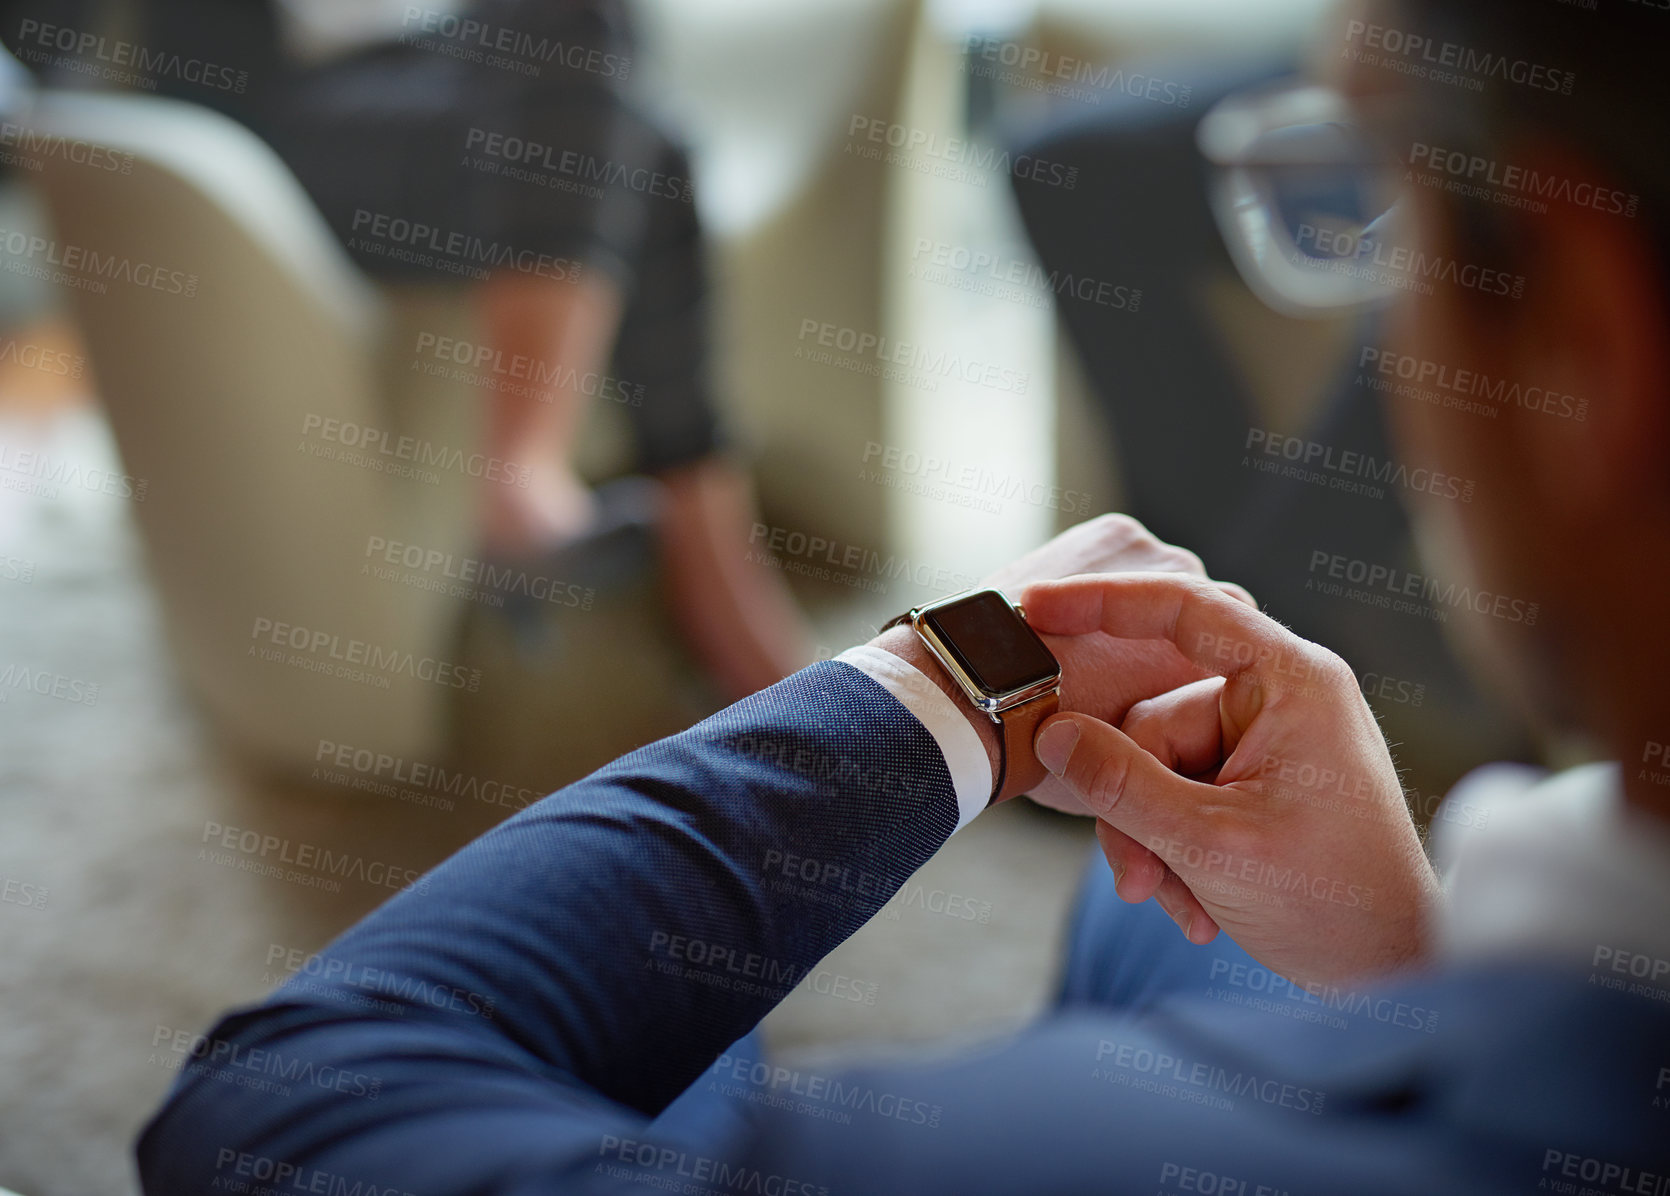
1132	956
1118	956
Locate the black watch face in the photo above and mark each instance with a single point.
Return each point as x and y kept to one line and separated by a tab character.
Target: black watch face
992	643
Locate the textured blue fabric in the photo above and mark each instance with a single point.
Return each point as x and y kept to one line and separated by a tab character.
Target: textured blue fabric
630	931
1132	957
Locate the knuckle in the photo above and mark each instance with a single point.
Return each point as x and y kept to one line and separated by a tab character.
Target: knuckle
1119	532
1118	523
1139	715
1184	561
1105	781
1234	839
1127	851
1331	670
1143	725
1180	900
1199	598
1199	588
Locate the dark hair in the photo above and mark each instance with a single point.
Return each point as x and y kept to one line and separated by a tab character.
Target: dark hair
1593	75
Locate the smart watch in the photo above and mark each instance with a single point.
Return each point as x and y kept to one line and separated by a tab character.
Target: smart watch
1000	664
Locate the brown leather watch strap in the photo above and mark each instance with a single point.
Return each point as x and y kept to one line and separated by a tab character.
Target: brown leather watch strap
1017	763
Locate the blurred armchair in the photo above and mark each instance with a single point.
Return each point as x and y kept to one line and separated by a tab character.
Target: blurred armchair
239	384
267	400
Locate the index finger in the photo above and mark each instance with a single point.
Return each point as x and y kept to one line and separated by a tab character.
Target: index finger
1210	628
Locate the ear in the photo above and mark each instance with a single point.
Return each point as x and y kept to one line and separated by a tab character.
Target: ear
1596	327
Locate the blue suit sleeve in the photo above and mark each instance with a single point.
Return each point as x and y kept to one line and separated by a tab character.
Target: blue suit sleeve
557	983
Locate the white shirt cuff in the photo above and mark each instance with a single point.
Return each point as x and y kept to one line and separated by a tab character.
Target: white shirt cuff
965	756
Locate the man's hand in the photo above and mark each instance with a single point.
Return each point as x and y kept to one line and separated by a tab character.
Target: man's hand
1101	675
1294	836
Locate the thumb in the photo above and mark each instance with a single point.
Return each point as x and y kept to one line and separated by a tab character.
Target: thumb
1117	780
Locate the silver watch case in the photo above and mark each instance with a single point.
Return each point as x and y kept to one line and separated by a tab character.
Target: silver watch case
994	704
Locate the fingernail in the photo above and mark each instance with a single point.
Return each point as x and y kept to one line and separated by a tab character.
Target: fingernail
1055	745
1118	876
1185	922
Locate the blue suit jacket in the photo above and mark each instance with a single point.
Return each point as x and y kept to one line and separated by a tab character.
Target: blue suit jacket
522	1021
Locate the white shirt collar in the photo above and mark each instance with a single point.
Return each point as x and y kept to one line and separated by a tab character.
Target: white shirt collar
1557	868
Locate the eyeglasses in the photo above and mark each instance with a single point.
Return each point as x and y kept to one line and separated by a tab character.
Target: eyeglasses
1306	192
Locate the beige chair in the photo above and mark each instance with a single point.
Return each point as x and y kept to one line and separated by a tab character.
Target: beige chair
254	517
229	329
772	90
263	396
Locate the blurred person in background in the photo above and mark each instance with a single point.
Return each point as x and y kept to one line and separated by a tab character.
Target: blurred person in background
1507	1034
1256	478
509	125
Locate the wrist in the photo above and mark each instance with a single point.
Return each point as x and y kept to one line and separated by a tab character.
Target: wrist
908	647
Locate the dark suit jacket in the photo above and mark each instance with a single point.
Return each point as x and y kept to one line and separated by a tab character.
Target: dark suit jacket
518	1021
